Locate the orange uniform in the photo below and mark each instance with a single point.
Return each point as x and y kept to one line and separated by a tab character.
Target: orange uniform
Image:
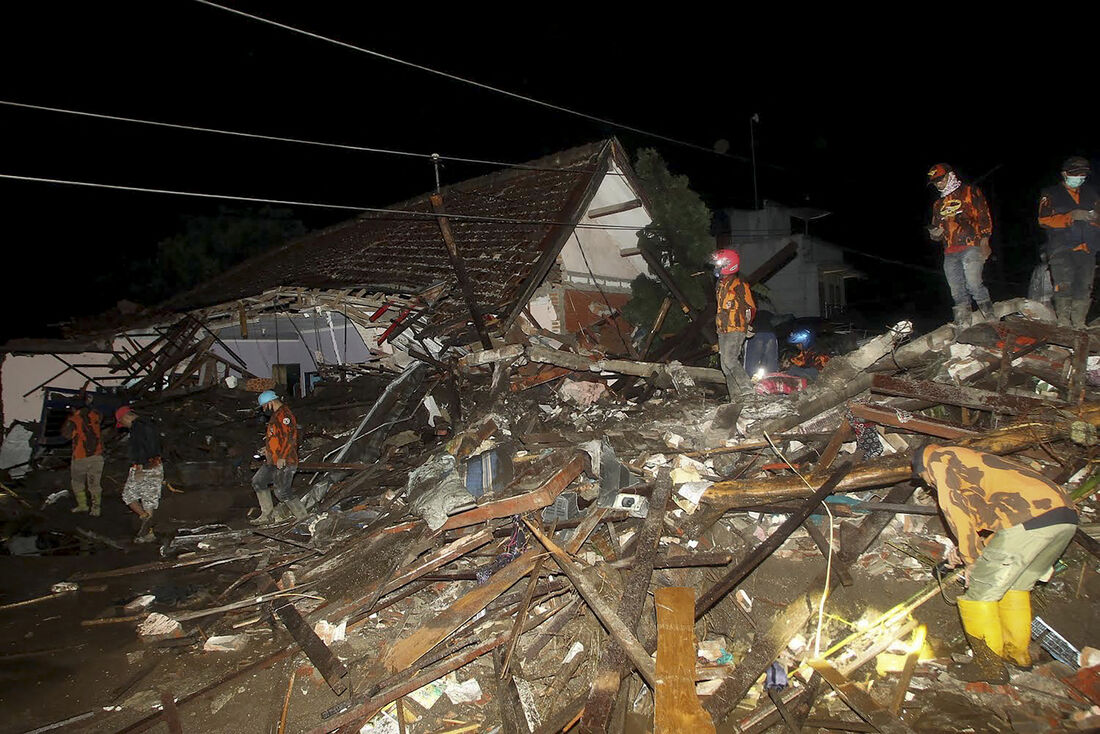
281	440
806	358
82	428
736	306
980	492
964	217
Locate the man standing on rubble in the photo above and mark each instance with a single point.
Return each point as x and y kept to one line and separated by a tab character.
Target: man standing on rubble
736	309
141	493
86	467
960	220
281	454
1031	520
1068	213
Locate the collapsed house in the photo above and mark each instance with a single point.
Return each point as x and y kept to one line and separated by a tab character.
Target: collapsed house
524	521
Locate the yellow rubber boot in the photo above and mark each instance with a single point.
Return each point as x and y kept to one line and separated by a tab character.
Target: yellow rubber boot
1015	612
981	621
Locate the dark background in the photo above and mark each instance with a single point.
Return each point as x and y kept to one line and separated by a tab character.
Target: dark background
853	111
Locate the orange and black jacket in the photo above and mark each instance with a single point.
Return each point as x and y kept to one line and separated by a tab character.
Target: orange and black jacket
736	307
980	492
809	358
1063	233
282	437
82	428
964	216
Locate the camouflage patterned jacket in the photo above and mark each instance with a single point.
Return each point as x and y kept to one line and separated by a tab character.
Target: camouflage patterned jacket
82	428
282	437
980	492
964	217
736	306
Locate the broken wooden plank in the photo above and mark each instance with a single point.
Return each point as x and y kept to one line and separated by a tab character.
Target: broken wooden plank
887	416
328	665
758	555
676	705
460	271
614	664
768	644
969	397
526	502
488	356
859	701
607	616
401	684
407	650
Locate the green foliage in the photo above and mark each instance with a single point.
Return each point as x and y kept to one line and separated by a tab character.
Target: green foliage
680	238
209	245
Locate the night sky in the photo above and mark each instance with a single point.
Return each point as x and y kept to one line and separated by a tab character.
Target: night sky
852	114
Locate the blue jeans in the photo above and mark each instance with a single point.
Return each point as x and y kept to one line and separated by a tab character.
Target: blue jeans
762	352
964	276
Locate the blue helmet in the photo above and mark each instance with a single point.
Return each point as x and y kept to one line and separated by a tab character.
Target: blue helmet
801	337
266	397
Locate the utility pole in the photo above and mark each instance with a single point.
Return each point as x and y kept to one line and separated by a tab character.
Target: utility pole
752	145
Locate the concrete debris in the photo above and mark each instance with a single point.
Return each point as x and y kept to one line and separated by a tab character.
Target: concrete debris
488	524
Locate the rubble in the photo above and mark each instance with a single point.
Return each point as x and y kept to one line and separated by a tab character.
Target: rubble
558	536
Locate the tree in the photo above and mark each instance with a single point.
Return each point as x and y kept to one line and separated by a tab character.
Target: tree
207	246
680	238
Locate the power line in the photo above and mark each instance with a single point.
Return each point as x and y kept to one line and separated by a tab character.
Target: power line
408	213
471	82
319	143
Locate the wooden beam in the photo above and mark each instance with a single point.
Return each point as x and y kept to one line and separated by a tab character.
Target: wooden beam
676	705
460	272
328	665
611	621
773	264
606	211
887	416
614	664
968	397
762	552
859	701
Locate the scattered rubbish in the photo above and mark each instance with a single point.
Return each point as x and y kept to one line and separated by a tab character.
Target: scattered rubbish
139	604
158	626
225	643
466	692
1059	647
64	587
330	633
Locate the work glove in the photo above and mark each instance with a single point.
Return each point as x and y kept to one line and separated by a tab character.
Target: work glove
935	233
1083	215
280	464
749	332
983	244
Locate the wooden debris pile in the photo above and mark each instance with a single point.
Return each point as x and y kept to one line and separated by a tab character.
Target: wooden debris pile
637	554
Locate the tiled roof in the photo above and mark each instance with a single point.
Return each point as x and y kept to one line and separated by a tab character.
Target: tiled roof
399	253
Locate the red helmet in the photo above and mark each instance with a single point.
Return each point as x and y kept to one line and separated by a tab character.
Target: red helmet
728	262
938	171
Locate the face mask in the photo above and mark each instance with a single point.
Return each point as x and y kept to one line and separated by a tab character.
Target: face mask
1075	182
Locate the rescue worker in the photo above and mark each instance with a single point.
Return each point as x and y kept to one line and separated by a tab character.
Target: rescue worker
86	468
807	363
281	453
960	220
762	351
1031	520
1068	213
736	309
141	493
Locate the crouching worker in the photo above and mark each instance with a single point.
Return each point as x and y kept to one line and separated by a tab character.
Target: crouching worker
281	452
1031	520
141	493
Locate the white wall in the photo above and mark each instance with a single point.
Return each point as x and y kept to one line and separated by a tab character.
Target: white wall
21	373
602	246
794	289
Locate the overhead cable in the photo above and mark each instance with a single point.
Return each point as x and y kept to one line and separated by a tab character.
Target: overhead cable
277	138
471	82
406	213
